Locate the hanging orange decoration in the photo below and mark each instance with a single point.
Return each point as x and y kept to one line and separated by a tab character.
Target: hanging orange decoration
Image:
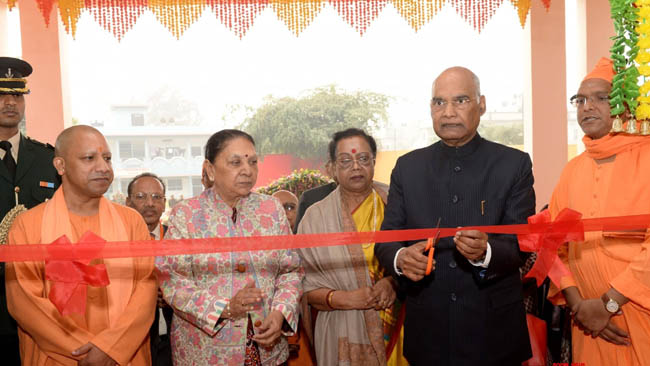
177	15
119	16
547	4
70	11
359	14
418	12
523	7
45	6
477	13
116	16
297	14
237	15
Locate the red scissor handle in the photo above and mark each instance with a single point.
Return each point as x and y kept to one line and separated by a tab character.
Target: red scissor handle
431	249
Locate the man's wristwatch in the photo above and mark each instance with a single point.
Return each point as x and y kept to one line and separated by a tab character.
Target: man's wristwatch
610	304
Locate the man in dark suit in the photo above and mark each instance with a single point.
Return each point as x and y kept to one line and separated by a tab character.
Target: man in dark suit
311	196
469	310
146	194
27	175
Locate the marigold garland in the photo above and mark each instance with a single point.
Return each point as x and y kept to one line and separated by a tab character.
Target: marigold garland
624	51
643	58
116	16
297	182
119	16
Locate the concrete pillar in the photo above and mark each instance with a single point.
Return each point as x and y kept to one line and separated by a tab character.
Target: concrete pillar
596	29
4	28
545	100
45	106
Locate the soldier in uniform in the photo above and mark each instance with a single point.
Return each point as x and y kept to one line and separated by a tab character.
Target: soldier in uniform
27	175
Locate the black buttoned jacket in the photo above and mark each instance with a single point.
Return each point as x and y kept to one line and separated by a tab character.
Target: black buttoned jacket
311	196
462	314
34	172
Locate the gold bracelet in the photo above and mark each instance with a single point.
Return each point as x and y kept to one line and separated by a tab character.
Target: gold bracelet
328	299
227	311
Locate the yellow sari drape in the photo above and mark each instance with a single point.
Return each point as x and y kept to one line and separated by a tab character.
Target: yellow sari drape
368	217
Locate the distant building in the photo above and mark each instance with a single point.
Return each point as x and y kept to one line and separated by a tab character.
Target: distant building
173	152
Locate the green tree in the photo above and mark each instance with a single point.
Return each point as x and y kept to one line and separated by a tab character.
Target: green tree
507	134
303	126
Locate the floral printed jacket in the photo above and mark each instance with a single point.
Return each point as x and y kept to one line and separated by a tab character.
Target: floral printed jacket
198	287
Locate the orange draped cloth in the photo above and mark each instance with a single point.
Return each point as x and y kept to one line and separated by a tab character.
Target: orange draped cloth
117	317
611	178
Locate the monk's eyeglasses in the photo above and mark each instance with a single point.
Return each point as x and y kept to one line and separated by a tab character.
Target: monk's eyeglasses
346	161
141	197
580	100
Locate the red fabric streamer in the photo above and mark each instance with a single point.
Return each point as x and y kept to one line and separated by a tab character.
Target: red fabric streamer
546	244
97	248
70	277
539	235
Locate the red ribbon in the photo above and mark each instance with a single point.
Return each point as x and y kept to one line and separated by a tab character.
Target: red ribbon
71	277
546	244
95	247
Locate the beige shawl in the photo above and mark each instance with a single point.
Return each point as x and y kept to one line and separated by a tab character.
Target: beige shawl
342	337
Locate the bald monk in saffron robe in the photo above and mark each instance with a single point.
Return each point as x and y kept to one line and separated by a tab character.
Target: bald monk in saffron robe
114	329
608	290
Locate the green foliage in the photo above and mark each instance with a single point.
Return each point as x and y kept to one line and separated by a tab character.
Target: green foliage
296	182
303	127
507	134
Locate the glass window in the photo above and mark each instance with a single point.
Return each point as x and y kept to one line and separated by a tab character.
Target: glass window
137	119
197	151
197	186
125	149
131	149
124	185
174	184
138	149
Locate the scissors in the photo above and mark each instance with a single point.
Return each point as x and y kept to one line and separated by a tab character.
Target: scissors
431	247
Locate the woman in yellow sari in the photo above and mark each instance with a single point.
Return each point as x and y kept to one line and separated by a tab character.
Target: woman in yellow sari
359	320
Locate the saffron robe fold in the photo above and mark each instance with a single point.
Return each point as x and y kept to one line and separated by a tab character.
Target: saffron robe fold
614	187
117	317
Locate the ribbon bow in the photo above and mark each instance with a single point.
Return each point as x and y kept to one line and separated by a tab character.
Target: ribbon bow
70	278
566	227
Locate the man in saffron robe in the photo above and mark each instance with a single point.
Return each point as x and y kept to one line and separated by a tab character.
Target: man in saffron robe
114	328
608	289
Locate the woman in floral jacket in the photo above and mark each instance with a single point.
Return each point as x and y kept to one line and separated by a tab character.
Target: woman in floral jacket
231	308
